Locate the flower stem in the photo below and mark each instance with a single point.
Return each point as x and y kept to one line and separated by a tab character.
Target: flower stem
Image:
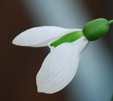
110	22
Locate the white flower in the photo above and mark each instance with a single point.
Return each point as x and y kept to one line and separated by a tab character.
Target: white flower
60	65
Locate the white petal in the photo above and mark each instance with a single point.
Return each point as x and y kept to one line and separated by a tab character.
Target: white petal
60	66
40	36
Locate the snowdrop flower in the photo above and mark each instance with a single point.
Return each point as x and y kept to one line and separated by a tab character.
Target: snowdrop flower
66	46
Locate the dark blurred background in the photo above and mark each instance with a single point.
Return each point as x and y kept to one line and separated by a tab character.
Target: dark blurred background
19	65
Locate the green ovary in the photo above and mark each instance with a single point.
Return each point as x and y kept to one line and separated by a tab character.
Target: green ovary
70	37
97	28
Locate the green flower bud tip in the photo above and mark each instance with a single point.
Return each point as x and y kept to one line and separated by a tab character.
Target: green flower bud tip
97	28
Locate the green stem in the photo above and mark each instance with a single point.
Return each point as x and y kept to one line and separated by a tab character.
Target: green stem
112	98
110	22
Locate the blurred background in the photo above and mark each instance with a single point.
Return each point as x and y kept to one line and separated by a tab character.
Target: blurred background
19	65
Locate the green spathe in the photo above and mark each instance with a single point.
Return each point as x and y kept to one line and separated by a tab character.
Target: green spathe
97	28
67	38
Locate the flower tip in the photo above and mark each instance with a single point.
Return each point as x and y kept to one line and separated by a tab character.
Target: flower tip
38	91
18	41
15	42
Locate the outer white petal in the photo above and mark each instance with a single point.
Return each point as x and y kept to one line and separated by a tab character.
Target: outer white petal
40	36
60	66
